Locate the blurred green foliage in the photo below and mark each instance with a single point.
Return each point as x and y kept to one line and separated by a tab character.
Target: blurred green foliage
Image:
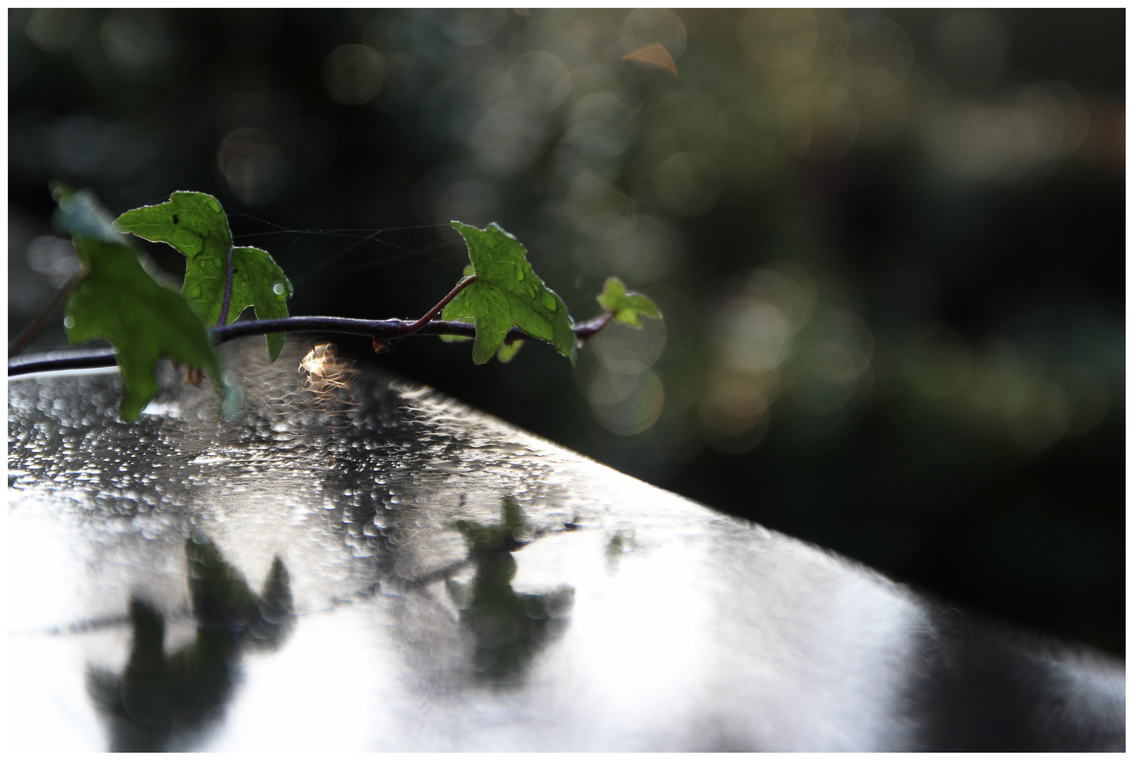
889	245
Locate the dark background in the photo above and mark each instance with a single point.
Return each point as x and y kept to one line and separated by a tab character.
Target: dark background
888	246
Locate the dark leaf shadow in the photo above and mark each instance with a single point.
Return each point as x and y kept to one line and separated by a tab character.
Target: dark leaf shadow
509	627
160	700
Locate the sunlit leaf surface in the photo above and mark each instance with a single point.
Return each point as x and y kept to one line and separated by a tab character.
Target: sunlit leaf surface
195	225
507	294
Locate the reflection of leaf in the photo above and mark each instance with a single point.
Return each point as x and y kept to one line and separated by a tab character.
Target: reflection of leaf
507	293
119	301
653	55
507	535
509	627
626	307
162	700
195	225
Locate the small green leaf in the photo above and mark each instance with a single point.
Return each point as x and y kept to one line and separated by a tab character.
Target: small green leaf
507	294
626	307
119	301
195	225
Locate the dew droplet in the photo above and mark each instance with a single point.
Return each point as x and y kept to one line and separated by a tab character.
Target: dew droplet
278	289
68	322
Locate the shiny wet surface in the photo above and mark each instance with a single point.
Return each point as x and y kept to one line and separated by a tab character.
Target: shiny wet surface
356	563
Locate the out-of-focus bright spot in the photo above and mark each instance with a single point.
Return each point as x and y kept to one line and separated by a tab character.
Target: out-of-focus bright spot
623	349
1087	393
733	415
626	403
646	252
794	39
470	201
1037	413
597	126
753	334
833	363
788	288
686	121
354	74
592	79
55	29
874	80
755	329
253	164
687	183
881	118
821	122
505	141
471	26
1010	393
597	209
134	37
846	329
880	55
972	45
996	372
535	83
939	362
1058	115
653	55
990	143
53	257
1045	122
825	377
650	26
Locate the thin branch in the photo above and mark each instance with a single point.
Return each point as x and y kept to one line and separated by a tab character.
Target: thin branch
340	325
227	289
441	304
31	331
584	330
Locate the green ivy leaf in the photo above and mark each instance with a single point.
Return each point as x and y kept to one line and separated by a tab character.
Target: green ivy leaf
195	225
626	307
507	294
118	300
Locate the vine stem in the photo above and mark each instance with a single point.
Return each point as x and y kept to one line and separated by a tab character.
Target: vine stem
76	360
31	331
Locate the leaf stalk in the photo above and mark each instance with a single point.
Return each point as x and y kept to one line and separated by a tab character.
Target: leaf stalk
22	341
